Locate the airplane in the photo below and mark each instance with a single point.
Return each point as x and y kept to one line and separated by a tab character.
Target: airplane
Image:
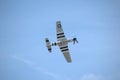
62	42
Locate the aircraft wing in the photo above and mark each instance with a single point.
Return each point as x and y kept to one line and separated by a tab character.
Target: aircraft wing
60	32
61	37
64	49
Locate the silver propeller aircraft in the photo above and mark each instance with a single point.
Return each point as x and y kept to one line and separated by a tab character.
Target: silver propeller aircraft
62	42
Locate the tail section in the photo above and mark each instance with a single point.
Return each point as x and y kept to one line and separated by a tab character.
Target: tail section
48	45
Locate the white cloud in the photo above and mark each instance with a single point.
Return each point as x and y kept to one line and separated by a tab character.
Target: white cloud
92	77
52	75
57	77
30	63
23	60
100	77
38	68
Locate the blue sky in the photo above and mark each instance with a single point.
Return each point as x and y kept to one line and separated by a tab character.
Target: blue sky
24	24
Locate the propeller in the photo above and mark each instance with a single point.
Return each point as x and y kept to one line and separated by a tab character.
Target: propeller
75	40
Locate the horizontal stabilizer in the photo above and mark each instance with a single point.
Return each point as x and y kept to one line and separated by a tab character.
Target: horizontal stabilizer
48	45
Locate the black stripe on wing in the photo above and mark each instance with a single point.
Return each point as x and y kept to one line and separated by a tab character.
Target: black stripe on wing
65	50
63	47
60	36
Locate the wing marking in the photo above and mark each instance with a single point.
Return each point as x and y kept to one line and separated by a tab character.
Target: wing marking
64	49
60	32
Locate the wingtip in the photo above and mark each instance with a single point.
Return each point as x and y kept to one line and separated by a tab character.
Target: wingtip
69	61
58	21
